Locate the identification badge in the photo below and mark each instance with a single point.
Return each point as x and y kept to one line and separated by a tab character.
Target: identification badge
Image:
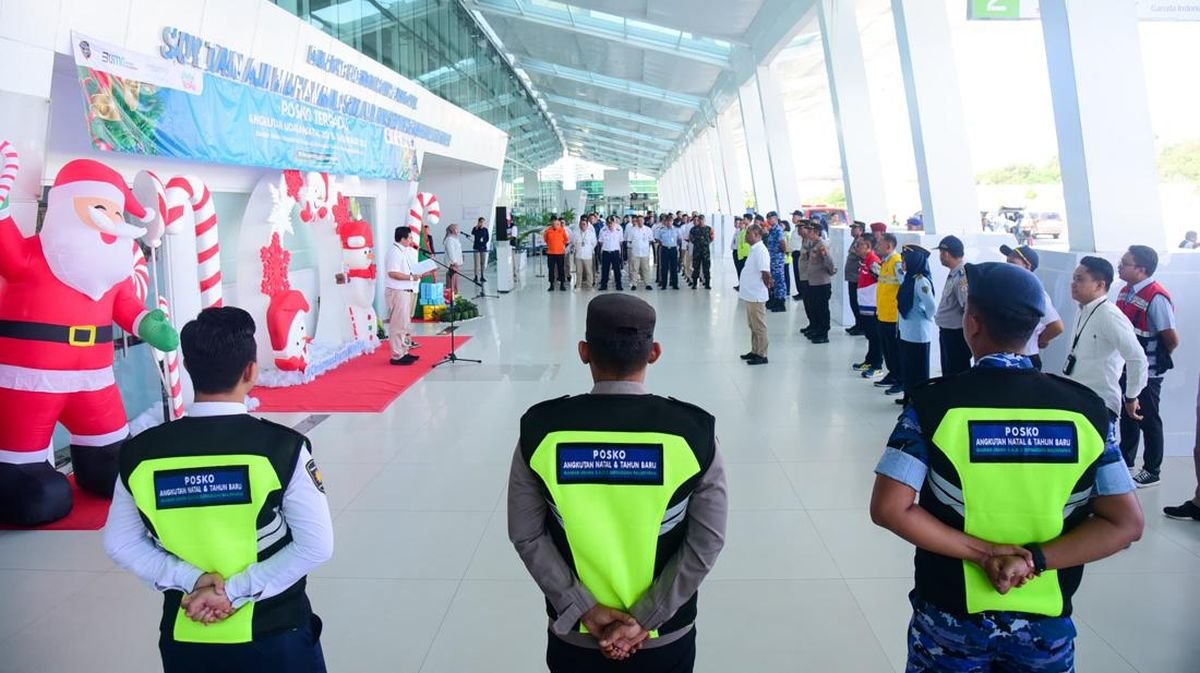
631	464
1023	442
202	487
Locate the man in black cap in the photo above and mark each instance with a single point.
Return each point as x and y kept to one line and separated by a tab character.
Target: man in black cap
1051	324
1021	483
956	356
617	506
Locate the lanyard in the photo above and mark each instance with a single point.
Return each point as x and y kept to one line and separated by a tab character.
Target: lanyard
1086	320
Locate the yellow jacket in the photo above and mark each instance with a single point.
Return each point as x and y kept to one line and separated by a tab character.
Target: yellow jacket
888	291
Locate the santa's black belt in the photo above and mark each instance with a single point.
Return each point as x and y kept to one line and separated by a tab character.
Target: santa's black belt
74	335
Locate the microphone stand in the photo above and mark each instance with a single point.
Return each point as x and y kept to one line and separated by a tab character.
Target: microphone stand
452	356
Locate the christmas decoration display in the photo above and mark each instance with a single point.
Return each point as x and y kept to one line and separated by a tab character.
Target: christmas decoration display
173	370
188	192
63	290
286	310
358	270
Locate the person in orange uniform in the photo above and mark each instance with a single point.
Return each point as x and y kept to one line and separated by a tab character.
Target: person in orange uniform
556	253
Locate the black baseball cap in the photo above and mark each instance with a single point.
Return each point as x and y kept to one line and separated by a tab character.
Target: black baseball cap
1005	287
1024	252
772	214
620	316
797	213
952	245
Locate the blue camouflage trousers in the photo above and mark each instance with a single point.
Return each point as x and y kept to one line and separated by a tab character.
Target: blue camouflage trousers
989	642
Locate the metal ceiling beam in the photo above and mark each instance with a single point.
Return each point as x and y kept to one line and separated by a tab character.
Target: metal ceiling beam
611	83
565	21
616	114
506	125
579	122
611	151
492	103
618	144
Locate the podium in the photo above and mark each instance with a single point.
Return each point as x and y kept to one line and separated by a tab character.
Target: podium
504	267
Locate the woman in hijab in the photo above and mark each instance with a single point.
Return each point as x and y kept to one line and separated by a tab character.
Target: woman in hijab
917	307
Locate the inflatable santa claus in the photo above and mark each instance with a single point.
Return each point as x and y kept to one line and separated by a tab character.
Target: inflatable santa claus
286	316
62	291
358	276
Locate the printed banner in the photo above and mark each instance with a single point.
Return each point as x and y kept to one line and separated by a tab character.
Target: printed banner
127	65
223	121
1148	10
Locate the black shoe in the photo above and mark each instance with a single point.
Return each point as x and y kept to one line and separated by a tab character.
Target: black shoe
707	287
747	356
620	289
757	360
550	289
887	382
564	288
649	287
1187	510
674	287
901	401
797	297
633	288
822	339
737	288
604	288
895	390
1145	479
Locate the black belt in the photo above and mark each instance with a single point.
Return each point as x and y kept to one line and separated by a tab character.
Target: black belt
74	335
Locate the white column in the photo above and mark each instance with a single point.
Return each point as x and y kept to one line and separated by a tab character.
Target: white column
761	180
948	195
1105	140
707	169
779	146
862	172
724	199
730	163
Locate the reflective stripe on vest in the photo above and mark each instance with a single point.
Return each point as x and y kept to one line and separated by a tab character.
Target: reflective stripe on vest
204	510
611	491
1017	468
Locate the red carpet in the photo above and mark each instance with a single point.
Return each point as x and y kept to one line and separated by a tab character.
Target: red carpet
90	513
366	383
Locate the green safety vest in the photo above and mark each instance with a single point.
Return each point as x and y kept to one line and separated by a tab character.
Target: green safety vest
1013	457
209	490
618	471
743	248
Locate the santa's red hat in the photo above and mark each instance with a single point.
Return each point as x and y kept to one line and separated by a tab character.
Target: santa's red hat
355	235
878	227
86	176
281	313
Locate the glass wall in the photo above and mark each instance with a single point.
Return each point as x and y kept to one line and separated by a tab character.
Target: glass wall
438	44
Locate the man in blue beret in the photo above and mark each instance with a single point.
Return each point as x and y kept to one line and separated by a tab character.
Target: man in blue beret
1020	483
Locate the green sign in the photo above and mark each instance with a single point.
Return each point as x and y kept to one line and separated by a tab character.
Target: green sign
994	9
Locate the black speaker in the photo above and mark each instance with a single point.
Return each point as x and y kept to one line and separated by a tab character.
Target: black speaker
501	223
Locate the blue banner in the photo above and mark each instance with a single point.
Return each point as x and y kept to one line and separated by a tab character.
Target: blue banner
228	122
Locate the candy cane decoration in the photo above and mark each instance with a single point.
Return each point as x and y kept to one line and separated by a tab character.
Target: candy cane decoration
141	273
424	210
195	194
173	382
12	164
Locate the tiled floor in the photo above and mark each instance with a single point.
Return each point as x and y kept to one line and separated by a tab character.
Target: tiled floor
424	578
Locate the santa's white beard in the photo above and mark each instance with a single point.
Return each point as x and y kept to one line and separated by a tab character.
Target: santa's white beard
79	258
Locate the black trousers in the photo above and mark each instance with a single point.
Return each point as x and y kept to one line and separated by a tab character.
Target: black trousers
956	355
816	304
296	651
1149	429
914	364
678	657
701	267
889	342
853	288
870	329
558	269
738	265
796	270
670	267
610	260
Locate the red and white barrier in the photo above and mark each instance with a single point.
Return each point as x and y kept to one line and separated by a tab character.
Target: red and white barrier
12	164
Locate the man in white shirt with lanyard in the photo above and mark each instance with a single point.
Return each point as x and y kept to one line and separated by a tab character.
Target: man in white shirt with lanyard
400	292
1103	342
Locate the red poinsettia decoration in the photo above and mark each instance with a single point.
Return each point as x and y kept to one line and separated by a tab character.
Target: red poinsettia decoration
275	261
341	211
295	182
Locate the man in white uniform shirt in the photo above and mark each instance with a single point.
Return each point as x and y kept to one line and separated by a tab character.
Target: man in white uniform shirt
1103	342
400	292
640	237
454	256
583	245
754	290
611	238
1051	324
685	247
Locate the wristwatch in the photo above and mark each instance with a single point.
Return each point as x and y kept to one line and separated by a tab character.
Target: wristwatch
1039	558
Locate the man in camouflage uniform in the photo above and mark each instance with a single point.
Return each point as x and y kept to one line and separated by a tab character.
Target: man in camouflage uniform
701	238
